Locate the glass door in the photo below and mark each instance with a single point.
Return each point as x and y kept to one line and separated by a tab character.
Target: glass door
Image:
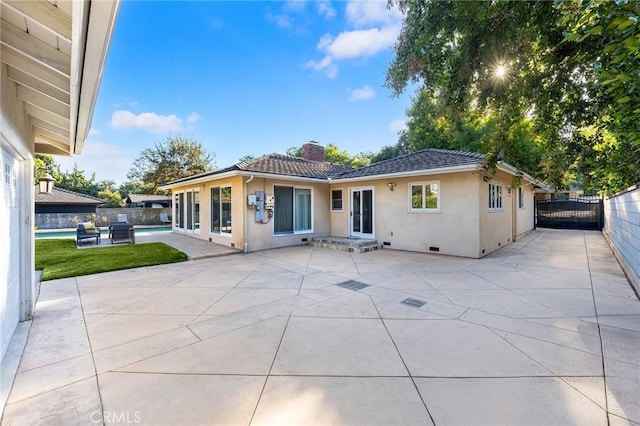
192	212
361	213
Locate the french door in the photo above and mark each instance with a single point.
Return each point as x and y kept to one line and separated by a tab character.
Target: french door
361	212
187	207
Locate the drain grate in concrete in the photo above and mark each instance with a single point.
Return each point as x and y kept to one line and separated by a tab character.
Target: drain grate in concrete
353	285
416	303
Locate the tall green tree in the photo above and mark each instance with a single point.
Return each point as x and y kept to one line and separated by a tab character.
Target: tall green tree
504	78
171	159
334	155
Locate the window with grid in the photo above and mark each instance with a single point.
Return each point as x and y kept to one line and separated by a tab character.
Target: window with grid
336	200
495	197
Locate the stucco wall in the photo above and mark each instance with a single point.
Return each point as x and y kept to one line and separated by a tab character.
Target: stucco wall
525	216
260	236
622	229
453	230
496	227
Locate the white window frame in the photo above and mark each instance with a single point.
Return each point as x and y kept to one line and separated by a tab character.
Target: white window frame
309	231
341	199
424	185
211	231
496	204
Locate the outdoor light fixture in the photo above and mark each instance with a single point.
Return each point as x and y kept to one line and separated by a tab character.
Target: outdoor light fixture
391	185
486	178
46	183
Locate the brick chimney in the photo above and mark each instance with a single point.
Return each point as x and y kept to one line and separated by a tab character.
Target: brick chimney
312	151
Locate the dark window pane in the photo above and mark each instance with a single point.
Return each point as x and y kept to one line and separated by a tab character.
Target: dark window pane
336	199
215	210
283	213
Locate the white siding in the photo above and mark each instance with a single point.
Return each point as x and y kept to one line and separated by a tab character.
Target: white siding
622	226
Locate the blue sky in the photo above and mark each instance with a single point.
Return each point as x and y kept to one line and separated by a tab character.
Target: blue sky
244	77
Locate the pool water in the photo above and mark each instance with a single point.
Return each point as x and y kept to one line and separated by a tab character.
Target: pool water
104	232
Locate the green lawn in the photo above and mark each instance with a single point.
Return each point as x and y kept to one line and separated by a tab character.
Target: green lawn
59	258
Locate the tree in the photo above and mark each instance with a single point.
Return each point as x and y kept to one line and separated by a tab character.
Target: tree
172	159
333	154
504	78
113	198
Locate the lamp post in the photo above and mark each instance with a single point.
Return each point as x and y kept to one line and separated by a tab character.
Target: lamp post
45	182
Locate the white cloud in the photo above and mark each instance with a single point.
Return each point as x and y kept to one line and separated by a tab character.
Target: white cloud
376	29
149	121
363	93
397	126
325	9
366	13
193	118
296	5
283	21
361	43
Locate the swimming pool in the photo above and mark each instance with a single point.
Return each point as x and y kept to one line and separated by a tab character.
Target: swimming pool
104	232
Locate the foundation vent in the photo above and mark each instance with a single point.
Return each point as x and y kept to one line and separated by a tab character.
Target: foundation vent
434	248
386	243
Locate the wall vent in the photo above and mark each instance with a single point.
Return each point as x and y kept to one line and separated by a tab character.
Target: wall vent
386	243
482	251
233	245
304	240
434	248
209	239
499	244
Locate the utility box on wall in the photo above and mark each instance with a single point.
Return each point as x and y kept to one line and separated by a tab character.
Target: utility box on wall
259	206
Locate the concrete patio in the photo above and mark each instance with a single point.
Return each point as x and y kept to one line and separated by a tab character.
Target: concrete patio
544	331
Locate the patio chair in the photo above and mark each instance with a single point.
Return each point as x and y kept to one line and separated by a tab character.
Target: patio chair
87	231
164	218
115	222
122	232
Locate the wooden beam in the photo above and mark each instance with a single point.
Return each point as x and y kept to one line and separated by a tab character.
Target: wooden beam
20	61
34	48
30	96
51	139
46	14
43	114
50	128
46	148
38	85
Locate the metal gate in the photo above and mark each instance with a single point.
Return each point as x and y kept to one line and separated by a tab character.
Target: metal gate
570	214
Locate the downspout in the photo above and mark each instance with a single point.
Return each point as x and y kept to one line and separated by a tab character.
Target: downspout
245	247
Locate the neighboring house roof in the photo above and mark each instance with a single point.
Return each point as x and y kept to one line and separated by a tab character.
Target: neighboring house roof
141	198
428	159
277	164
64	196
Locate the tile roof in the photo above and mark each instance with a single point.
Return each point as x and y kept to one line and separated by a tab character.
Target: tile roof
428	159
64	196
138	198
278	164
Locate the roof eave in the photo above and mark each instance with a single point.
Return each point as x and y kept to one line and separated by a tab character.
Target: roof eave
92	31
421	172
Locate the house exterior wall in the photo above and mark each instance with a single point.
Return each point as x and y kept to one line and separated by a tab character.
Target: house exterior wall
454	229
525	216
16	213
260	236
496	226
622	231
